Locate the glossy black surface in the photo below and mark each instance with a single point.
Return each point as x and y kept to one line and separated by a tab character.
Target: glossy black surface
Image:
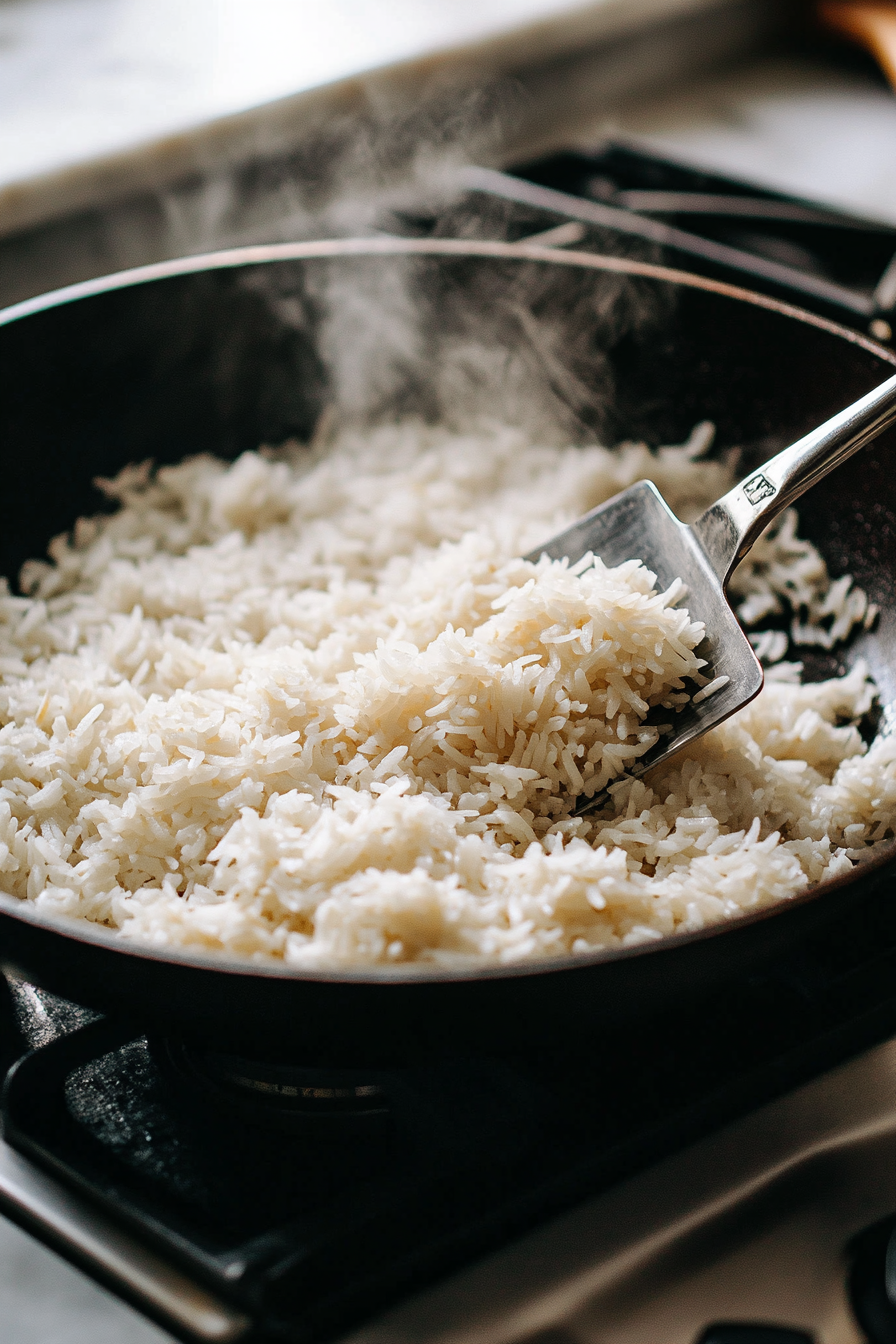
222	360
871	1287
312	1227
808	242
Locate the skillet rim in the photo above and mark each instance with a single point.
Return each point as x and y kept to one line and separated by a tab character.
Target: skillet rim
420	973
326	249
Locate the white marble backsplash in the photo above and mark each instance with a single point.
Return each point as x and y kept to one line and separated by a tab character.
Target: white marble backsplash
793	123
97	95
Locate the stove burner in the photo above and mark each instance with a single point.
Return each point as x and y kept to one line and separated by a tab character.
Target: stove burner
623	196
283	1096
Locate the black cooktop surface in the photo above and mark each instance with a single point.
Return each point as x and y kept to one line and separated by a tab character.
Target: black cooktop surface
311	1198
625	199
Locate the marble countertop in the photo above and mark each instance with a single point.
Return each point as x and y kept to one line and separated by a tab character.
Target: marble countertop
97	95
797	124
100	96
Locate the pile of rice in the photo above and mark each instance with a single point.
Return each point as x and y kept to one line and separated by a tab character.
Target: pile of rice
312	706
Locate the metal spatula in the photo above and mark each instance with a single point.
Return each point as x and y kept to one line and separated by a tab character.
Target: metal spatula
638	524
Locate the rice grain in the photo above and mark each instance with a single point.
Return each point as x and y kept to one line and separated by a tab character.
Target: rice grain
315	707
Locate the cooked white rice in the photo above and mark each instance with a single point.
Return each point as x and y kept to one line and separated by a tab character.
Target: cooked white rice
312	706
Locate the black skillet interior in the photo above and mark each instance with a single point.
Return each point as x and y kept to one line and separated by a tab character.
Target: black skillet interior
221	361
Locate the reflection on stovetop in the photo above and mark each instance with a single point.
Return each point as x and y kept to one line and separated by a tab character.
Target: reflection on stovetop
622	199
310	1198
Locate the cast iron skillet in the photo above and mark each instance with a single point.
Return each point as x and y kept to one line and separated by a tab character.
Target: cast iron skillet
223	352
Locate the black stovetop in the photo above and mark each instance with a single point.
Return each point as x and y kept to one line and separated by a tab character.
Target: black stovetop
312	1222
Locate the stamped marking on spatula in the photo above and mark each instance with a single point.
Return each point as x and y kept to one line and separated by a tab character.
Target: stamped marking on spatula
758	488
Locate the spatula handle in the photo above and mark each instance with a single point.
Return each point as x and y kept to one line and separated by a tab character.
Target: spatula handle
728	528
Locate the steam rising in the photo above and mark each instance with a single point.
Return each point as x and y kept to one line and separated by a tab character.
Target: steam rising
460	342
350	175
465	341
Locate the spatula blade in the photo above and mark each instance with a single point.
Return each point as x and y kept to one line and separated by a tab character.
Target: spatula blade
639	525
